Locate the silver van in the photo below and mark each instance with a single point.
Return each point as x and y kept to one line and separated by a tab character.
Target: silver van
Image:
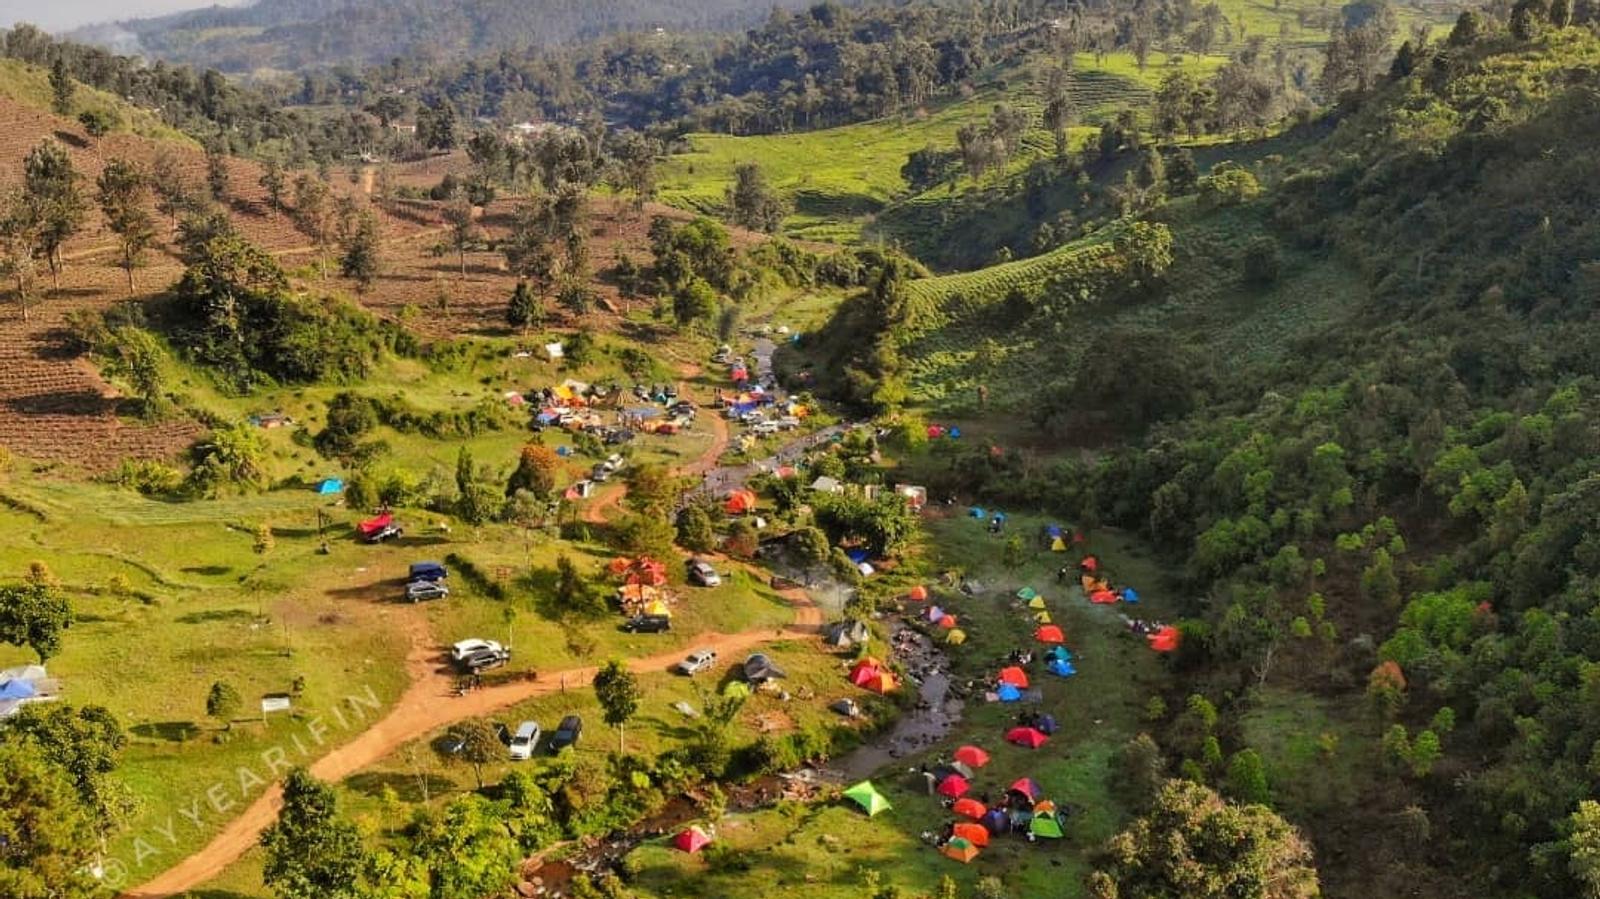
525	741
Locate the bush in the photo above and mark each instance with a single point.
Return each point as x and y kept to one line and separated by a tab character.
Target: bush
1261	263
1229	184
148	477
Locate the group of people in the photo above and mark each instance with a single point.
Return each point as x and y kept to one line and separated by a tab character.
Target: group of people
1142	627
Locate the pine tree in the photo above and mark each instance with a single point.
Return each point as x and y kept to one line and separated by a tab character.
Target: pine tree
362	248
524	311
62	87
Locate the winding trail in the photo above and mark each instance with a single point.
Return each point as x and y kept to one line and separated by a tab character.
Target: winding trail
430	703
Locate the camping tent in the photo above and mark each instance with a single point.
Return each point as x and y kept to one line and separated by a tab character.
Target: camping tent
918	593
692	840
845	707
1046	827
867	796
1027	593
845	634
740	502
736	688
969	808
328	486
961	850
1130	595
1026	736
972	755
1165	640
1041	617
658	607
760	668
1090	564
977	512
997	822
973	833
1036	603
882	682
18	689
1061	668
947	621
1050	633
1027	788
934	613
1008	693
1014	676
1103	597
955	636
1058	652
1058	545
955	786
864	670
1047	725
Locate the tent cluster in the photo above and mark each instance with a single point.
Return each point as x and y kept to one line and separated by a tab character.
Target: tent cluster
872	674
642	589
953	634
1098	588
1056	538
1022	810
936	432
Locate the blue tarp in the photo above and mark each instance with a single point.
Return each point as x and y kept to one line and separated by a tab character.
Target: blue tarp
857	555
330	485
1062	668
1008	693
546	418
1130	595
563	451
643	412
17	689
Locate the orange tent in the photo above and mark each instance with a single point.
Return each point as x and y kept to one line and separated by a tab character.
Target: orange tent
882	682
618	565
1014	676
1050	633
967	807
740	502
947	622
961	850
972	756
1165	639
918	593
972	833
865	671
1103	597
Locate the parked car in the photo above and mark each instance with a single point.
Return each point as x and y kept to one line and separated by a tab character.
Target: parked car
465	648
421	591
648	624
427	571
788	423
485	660
387	532
703	574
696	662
764	428
525	740
682	407
600	473
567	733
614	462
618	436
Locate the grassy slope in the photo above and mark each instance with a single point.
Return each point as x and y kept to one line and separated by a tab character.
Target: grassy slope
31	85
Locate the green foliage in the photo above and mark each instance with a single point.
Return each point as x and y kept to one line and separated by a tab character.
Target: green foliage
474	743
311	852
617	690
51	839
223	703
1228	185
694	530
34	614
232	458
752	202
84	742
1247	778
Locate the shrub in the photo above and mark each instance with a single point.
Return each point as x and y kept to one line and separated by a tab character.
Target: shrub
1261	263
1229	184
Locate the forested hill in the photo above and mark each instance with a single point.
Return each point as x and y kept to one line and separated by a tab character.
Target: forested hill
298	34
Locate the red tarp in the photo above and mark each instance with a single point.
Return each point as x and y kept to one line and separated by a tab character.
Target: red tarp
1165	639
1026	736
972	756
1014	676
374	525
969	808
954	786
1050	633
692	840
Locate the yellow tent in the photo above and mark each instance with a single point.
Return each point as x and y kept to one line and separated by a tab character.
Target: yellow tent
1036	603
657	608
1041	617
1058	545
564	392
956	636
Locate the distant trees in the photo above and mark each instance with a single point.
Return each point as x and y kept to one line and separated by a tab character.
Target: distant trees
19	245
172	190
1358	46
218	178
1059	111
929	167
992	144
123	189
752	202
314	213
461	218
436	125
274	183
524	310
62	87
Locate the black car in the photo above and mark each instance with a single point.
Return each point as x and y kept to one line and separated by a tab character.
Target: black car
485	660
618	437
648	624
567	734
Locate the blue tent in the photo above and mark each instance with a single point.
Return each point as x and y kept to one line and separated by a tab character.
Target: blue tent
996	821
954	433
1000	516
18	689
1058	652
1130	595
1008	693
330	485
1052	531
857	555
977	512
1062	668
563	451
1047	724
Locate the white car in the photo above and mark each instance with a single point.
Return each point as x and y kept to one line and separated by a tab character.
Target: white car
697	661
525	740
467	647
764	428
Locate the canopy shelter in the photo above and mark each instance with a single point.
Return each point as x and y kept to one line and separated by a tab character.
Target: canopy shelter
692	840
1014	676
955	786
1026	736
967	807
18	689
971	756
973	833
867	796
961	850
1050	633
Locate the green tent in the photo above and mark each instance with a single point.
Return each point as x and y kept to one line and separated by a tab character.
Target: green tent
867	796
1027	593
1046	827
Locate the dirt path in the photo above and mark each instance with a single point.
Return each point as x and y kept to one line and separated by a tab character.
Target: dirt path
430	703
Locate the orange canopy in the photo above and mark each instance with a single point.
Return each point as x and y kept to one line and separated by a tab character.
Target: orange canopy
1014	676
973	833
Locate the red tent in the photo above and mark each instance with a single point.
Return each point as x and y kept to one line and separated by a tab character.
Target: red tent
374	525
954	786
969	808
973	833
1077	537
740	502
972	756
1050	633
1165	640
1026	736
692	840
1103	597
1089	563
864	671
1014	676
918	593
947	622
1028	787
881	682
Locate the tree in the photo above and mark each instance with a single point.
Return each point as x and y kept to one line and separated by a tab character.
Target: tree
694	302
137	356
472	742
97	123
86	743
19	245
459	216
1014	553
1146	250
123	190
617	689
1247	778
218	178
573	594
436	125
172	190
537	469
311	851
231	456
314	212
57	206
274	183
1058	108
752	202
928	168
524	311
49	836
652	490
1261	263
34	614
476	499
62	87
223	702
1468	28
694	530
813	548
361	248
1584	847
1193	845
